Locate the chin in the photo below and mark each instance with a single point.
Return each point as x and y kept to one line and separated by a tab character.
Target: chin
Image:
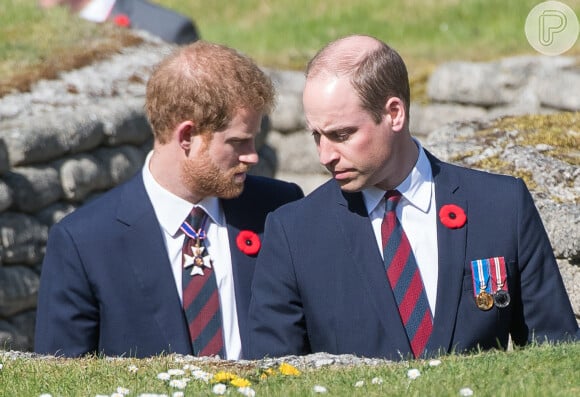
350	186
233	191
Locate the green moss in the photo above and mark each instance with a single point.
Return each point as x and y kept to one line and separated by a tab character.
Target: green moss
561	131
495	164
527	177
457	158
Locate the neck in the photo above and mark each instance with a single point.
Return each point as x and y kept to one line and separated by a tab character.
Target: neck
403	159
76	6
165	167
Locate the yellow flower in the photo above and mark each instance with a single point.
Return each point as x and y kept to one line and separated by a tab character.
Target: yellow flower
240	382
222	377
287	369
267	373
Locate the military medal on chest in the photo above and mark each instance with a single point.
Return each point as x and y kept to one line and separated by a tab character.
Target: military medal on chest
481	287
501	296
195	253
490	283
483	300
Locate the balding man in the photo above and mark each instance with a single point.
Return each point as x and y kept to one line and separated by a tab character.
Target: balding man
400	255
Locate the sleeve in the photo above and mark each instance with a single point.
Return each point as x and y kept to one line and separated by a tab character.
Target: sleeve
546	313
67	319
186	33
276	316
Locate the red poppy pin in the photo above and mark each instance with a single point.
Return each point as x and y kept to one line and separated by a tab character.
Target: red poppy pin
122	20
248	242
452	216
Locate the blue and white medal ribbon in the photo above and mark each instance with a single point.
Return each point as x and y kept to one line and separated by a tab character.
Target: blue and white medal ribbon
481	287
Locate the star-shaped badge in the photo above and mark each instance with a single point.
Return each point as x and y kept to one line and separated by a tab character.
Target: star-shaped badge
198	261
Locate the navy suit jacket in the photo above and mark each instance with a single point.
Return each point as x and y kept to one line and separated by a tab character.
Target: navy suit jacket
162	22
320	283
106	282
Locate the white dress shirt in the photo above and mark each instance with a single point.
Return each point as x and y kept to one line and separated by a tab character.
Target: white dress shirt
171	211
97	10
418	216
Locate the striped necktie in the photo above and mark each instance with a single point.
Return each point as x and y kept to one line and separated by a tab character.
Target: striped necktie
200	294
405	278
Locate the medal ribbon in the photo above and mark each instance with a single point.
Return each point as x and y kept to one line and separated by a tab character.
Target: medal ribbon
500	279
190	231
481	276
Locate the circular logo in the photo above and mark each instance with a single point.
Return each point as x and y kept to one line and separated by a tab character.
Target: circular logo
552	28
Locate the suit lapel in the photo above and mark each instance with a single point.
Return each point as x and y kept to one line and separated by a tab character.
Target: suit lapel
237	218
352	218
151	270
451	245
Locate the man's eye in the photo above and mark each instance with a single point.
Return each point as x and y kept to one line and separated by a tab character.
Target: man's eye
239	142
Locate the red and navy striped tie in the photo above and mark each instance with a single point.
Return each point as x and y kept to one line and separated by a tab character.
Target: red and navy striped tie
200	294
405	278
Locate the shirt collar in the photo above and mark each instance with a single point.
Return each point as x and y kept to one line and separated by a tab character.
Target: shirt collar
172	210
97	10
416	188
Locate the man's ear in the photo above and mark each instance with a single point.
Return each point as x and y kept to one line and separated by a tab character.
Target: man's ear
395	109
184	131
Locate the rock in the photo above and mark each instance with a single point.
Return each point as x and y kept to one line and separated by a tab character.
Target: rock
24	324
525	79
58	135
427	118
22	239
288	116
54	213
120	163
5	196
554	183
81	175
125	122
4	163
571	276
470	83
560	90
19	289
34	187
296	152
11	338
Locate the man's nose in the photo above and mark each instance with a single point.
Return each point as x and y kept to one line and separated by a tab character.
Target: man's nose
327	153
250	156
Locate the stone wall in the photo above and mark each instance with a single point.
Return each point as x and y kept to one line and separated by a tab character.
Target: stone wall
71	139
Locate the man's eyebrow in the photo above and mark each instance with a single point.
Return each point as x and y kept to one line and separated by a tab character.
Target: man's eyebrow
337	130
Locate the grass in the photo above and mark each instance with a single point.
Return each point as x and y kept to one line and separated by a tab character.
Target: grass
534	371
37	43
